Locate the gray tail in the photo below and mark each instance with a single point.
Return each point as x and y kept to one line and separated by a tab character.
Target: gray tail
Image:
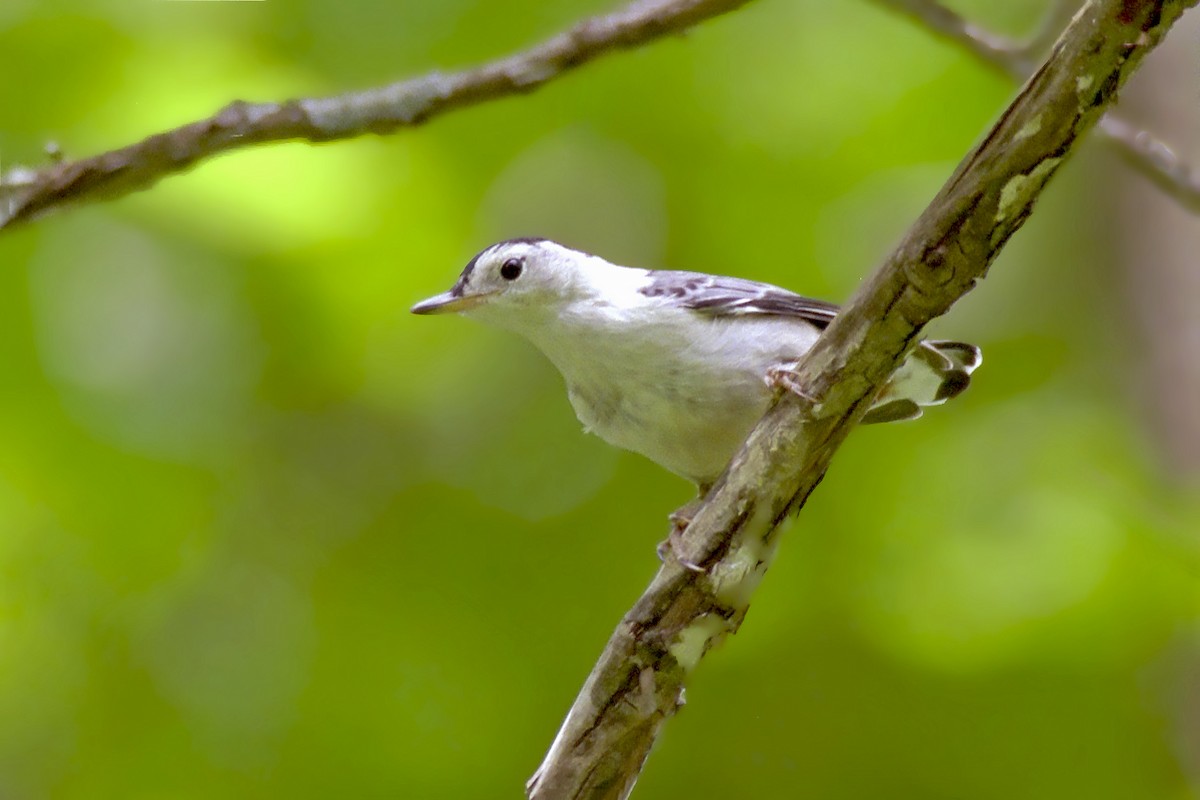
932	374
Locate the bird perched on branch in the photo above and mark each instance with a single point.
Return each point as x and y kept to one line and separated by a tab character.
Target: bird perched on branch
677	366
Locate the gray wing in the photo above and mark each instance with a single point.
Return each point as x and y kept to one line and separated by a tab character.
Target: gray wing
718	295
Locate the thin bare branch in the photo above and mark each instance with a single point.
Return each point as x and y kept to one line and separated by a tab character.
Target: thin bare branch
1156	160
27	193
637	683
1140	148
999	50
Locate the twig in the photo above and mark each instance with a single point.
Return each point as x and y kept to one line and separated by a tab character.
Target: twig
638	681
27	193
949	24
1156	160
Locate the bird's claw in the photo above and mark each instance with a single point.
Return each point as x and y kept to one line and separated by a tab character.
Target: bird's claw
671	546
784	378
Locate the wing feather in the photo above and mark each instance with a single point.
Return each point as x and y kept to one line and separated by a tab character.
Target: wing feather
718	296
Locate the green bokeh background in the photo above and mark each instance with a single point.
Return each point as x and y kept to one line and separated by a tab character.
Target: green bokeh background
264	534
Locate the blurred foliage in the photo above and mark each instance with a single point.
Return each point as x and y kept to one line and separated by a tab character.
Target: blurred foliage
264	534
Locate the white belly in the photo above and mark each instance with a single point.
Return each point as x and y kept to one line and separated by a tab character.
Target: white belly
685	404
691	435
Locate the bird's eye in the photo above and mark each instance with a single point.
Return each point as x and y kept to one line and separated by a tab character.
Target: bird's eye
511	270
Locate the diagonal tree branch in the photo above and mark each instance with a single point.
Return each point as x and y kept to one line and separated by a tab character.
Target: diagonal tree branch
26	194
637	684
1153	158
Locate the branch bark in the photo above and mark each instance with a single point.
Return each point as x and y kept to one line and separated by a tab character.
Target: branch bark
1141	149
637	684
25	193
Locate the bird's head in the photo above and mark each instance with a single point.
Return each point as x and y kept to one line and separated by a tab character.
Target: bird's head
511	278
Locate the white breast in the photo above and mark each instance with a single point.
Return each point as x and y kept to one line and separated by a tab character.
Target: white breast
680	388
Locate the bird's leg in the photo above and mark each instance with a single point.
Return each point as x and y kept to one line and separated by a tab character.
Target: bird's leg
680	518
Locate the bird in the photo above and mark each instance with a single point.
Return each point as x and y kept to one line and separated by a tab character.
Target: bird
677	366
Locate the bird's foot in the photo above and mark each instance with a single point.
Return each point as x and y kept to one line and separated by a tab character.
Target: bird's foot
782	377
680	518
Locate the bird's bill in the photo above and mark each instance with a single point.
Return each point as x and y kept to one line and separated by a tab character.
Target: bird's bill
447	303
